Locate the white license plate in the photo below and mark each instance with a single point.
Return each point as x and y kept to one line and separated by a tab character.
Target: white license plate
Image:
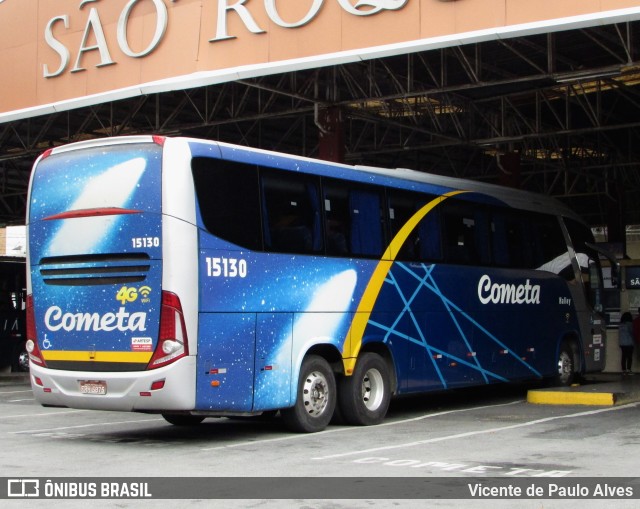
93	387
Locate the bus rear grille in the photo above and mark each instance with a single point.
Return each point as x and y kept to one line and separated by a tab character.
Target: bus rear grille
107	269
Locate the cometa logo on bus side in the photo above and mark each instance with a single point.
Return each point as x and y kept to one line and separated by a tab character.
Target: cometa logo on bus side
503	293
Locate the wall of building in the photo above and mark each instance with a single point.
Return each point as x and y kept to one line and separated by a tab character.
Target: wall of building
13	241
629	301
66	53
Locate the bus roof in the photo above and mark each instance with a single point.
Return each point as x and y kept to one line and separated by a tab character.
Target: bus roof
513	197
516	198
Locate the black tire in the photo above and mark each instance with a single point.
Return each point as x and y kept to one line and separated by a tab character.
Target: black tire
20	361
567	362
183	419
364	397
316	397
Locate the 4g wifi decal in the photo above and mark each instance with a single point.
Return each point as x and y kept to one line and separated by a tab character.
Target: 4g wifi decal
130	294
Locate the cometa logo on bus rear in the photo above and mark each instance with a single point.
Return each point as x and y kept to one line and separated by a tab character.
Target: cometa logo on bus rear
503	293
55	319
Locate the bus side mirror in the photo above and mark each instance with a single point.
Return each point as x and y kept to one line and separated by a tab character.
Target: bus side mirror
594	277
615	274
615	265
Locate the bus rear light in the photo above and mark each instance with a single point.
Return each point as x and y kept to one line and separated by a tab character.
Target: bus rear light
169	347
31	344
157	385
172	341
93	212
37	381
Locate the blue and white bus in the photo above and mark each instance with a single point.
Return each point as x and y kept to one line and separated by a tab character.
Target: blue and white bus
195	279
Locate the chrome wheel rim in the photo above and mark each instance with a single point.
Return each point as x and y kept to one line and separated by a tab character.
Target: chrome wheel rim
23	361
315	393
372	389
565	367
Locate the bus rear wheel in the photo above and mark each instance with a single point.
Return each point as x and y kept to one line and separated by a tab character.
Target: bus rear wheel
316	397
183	419
365	396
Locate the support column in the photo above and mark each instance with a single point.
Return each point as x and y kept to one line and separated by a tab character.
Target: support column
616	228
331	142
509	166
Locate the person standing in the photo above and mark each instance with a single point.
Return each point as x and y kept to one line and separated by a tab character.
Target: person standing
625	340
636	334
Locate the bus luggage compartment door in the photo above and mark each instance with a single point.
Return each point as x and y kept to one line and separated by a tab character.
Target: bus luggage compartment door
273	361
226	360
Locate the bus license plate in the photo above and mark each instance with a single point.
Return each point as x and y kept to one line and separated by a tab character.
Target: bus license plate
93	387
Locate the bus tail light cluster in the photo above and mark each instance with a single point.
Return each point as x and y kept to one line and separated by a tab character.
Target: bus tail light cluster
32	343
172	342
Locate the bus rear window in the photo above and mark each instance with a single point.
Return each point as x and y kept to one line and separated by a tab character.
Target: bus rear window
124	177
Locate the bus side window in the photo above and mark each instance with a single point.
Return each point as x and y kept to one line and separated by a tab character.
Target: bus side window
424	242
465	234
587	258
353	219
430	236
499	244
291	214
366	223
515	243
511	241
550	248
402	206
228	201
481	237
336	212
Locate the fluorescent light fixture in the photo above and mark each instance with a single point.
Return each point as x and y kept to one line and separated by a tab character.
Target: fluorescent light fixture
586	75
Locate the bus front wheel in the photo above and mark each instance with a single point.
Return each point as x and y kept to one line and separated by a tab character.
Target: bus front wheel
20	358
566	365
365	396
316	397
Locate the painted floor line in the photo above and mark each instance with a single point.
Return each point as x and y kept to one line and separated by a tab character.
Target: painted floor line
446	412
79	426
478	432
2	393
45	414
350	428
297	436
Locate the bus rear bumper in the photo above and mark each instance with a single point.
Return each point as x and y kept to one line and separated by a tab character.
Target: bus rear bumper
170	388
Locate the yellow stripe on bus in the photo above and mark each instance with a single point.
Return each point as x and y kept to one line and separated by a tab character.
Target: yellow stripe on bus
71	355
353	341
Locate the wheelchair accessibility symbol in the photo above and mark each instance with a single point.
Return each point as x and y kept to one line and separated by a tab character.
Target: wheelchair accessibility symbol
46	344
